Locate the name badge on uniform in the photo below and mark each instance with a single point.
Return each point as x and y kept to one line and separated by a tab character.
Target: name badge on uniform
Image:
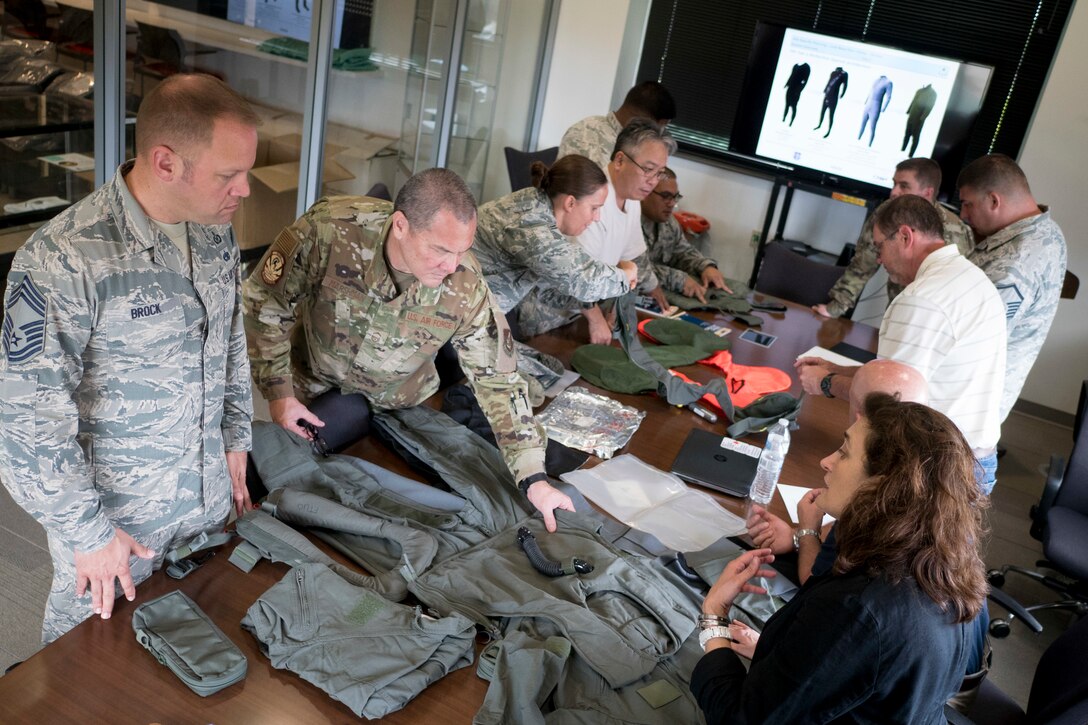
152	309
24	325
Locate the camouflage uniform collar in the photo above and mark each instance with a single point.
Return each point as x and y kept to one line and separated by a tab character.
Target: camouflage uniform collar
614	122
137	231
379	275
1014	230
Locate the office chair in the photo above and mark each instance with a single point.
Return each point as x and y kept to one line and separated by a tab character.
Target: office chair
1070	285
161	53
518	163
793	277
380	191
1059	690
1060	521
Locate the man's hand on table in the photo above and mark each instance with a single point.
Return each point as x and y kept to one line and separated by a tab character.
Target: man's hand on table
692	288
711	277
286	412
600	330
546	498
99	569
812	370
821	310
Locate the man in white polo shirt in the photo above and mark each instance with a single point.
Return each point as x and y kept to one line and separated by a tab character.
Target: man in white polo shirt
948	323
638	162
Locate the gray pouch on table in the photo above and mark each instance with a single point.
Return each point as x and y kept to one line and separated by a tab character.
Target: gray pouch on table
182	637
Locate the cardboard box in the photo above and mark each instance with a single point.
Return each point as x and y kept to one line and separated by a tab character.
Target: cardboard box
273	189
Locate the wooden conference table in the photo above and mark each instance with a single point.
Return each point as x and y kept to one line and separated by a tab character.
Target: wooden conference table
98	673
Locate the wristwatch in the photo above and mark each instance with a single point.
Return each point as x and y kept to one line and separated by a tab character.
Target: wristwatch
713	633
523	484
803	532
825	385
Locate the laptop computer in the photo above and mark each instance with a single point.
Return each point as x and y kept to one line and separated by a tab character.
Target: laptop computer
702	460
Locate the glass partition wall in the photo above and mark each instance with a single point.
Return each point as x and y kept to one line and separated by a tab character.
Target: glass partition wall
355	94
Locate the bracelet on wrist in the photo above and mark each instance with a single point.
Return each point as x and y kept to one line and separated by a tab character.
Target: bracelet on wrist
800	533
712	620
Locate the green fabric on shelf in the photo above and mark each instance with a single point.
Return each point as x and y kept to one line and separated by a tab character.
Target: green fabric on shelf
355	59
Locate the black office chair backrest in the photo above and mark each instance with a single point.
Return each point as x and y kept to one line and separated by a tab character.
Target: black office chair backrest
1073	493
1059	690
380	191
791	276
1070	285
518	163
160	44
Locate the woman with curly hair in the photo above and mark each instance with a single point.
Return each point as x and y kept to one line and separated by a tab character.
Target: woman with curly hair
886	634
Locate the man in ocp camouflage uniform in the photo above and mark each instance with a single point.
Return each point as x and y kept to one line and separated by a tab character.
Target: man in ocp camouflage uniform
921	177
1022	250
679	266
595	136
352	302
125	402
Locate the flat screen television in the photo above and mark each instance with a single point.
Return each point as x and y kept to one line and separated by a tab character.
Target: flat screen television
292	18
843	113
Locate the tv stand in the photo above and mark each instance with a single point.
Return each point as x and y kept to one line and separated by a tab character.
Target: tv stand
790	185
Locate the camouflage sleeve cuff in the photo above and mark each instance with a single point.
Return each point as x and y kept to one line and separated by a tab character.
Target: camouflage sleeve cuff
238	437
87	537
526	463
671	279
836	309
278	388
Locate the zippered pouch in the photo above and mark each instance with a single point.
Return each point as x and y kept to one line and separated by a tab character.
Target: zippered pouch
182	637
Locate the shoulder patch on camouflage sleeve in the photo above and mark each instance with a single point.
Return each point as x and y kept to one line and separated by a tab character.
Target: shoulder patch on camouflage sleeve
279	259
24	324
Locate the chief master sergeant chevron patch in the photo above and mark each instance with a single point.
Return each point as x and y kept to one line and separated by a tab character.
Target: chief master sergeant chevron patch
24	325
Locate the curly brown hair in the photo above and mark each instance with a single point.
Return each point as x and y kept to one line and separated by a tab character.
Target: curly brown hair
920	513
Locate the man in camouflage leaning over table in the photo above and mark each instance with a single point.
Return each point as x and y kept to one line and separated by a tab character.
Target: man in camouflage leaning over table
921	177
352	302
125	400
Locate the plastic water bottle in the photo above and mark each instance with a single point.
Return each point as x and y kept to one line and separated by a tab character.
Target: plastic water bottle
770	464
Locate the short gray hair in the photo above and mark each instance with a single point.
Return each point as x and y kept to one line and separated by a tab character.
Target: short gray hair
639	131
429	192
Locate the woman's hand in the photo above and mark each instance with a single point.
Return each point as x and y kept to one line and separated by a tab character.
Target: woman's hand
770	532
809	514
744	638
734	580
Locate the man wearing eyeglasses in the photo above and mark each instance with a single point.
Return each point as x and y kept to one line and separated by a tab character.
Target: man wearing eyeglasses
948	323
638	163
679	266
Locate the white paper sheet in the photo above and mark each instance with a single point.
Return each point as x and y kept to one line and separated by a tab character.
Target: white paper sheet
831	357
791	496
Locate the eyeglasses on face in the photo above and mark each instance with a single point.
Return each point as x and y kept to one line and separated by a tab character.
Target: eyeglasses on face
657	174
668	196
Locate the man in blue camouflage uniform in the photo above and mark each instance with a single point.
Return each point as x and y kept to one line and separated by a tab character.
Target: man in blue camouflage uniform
125	402
595	136
921	177
368	292
679	266
1022	251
